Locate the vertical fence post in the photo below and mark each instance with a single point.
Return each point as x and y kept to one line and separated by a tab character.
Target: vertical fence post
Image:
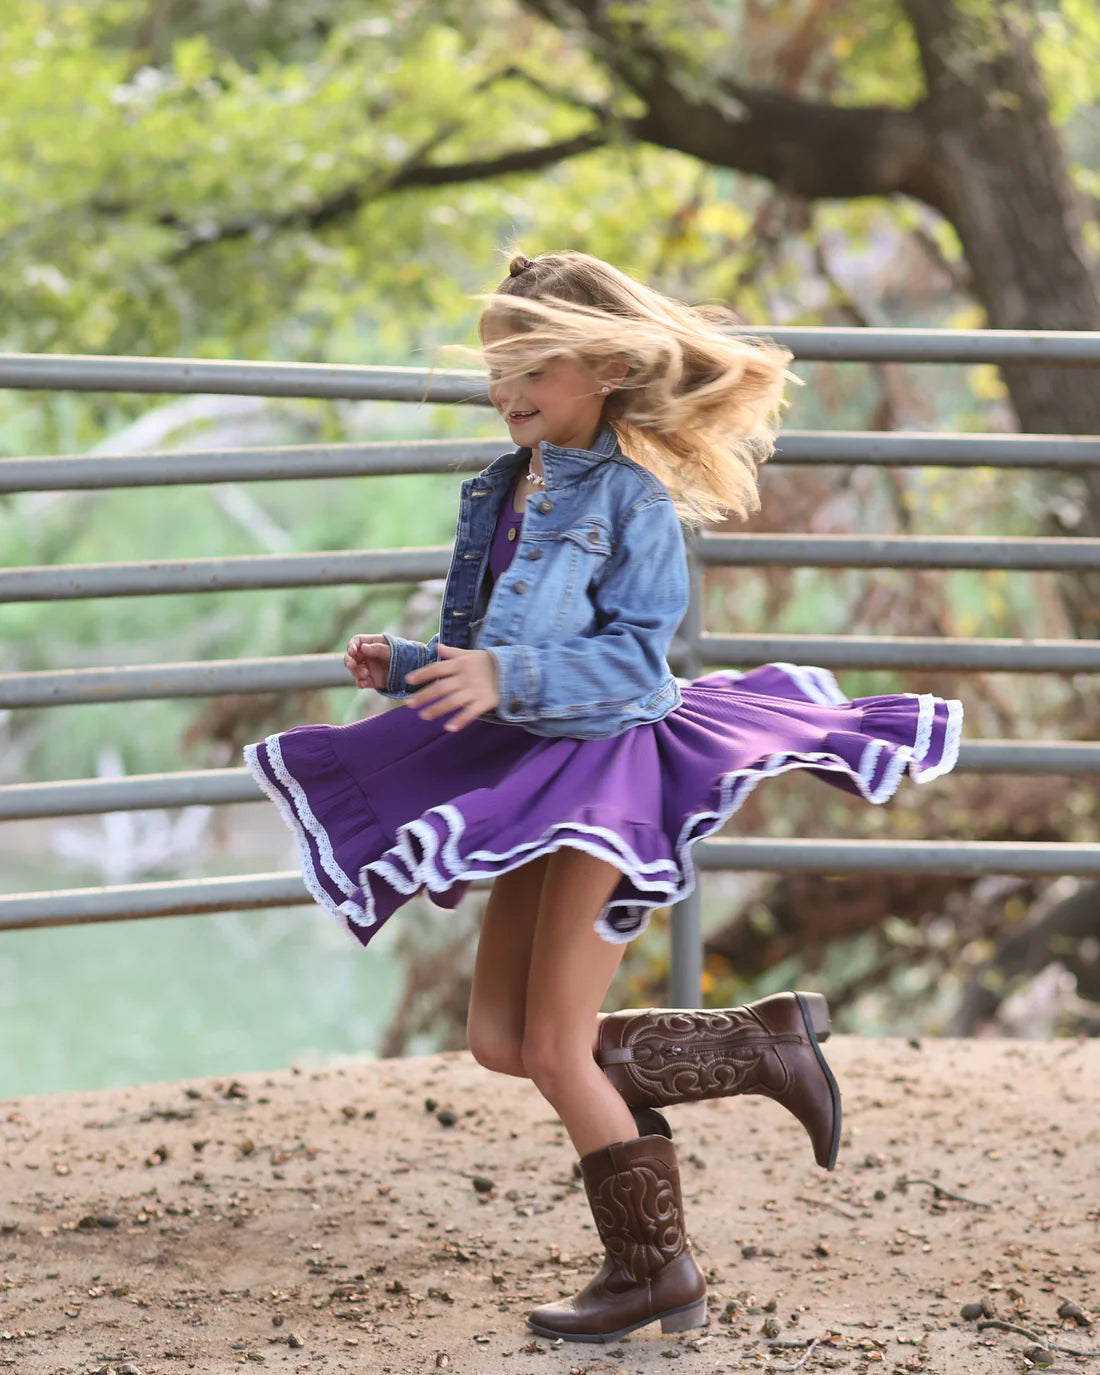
685	983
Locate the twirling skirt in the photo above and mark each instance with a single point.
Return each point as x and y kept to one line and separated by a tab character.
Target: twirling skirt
393	806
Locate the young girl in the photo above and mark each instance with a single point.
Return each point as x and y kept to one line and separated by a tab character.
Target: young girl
548	746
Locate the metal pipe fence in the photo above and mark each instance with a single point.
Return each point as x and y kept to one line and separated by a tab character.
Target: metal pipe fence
693	651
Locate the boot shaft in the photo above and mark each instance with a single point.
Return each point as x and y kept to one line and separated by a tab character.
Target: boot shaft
633	1189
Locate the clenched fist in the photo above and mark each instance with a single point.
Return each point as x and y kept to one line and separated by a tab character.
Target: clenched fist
368	661
461	680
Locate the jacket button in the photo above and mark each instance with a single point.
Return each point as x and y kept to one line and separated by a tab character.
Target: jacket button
520	587
546	506
594	536
534	553
515	704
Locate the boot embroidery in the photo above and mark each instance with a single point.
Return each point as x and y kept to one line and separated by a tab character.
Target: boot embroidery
638	1219
678	1055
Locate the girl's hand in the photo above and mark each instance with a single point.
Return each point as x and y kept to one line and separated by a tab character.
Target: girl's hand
462	680
368	661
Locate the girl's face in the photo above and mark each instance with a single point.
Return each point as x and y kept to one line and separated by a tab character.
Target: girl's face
559	402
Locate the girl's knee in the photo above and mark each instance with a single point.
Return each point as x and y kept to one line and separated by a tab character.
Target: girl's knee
494	1049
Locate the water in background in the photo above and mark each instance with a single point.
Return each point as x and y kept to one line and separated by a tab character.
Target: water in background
115	1003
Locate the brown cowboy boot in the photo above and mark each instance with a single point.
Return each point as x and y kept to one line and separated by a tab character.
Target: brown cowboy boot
649	1272
669	1055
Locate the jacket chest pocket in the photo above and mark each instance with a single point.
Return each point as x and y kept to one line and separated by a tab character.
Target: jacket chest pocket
593	536
580	554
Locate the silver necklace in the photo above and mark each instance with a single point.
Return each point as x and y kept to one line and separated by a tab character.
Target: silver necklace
536	478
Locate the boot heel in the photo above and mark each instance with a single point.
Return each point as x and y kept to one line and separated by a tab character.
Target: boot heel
680	1319
816	1012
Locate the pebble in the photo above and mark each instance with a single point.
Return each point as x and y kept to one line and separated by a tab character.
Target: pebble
971	1311
446	1117
1069	1309
482	1184
1039	1355
295	1341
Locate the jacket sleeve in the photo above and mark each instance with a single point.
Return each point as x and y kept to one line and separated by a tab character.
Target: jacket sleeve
640	601
406	655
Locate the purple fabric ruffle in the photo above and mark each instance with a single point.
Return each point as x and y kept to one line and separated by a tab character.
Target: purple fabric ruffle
393	806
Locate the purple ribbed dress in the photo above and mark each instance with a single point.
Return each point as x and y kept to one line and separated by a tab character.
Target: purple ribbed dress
394	806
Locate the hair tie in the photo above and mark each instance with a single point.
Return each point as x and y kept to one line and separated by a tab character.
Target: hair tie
519	265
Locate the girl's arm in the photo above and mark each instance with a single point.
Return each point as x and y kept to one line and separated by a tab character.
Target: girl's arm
640	602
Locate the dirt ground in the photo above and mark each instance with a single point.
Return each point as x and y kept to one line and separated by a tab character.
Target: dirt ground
403	1216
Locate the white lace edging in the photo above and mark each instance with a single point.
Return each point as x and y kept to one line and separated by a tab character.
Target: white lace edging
298	830
667	887
440	867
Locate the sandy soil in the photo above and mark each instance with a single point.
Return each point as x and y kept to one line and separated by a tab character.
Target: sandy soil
334	1221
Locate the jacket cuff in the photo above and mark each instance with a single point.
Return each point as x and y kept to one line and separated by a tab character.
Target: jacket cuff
405	655
517	682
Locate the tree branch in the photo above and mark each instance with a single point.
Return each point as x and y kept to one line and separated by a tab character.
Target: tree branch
810	148
350	199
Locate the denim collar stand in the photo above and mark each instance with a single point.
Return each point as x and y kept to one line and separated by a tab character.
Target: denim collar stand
561	466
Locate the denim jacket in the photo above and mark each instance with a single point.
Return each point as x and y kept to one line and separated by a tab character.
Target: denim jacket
580	623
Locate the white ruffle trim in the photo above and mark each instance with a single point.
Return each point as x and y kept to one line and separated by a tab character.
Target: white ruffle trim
666	882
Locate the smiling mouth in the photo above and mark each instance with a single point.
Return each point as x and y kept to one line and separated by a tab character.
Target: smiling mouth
517	416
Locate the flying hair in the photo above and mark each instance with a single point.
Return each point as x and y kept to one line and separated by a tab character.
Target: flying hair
697	406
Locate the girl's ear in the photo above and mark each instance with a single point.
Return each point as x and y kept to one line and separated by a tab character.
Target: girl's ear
614	374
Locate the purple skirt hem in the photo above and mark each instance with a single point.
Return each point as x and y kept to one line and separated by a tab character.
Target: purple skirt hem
361	862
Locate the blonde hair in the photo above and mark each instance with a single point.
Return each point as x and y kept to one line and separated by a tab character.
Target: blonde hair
697	406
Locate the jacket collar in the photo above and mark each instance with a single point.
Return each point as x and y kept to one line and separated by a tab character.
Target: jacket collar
561	466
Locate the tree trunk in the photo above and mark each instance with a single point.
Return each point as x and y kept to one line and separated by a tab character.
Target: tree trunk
999	173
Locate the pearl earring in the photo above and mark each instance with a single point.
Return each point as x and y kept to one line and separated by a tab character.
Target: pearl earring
605	389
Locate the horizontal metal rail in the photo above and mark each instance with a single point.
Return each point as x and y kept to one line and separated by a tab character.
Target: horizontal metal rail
61	582
66	582
214	787
896	651
214	377
61	372
171	468
965	858
145	682
896	551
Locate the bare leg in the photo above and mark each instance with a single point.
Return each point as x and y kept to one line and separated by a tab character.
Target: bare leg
498	996
571	969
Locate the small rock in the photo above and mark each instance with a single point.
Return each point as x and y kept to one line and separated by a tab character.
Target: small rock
1069	1309
772	1327
1039	1355
349	1112
748	1252
971	1311
236	1090
989	1309
430	1105
482	1184
822	1249
247	1146
295	1341
446	1117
